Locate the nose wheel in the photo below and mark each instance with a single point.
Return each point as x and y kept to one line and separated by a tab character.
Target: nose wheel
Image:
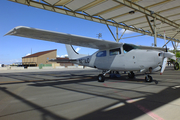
176	66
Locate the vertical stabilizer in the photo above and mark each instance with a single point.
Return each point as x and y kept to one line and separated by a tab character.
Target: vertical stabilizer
72	54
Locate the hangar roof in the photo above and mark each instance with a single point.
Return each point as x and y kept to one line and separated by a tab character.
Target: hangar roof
39	53
135	15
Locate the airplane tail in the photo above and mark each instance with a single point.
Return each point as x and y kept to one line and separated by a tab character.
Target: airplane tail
72	54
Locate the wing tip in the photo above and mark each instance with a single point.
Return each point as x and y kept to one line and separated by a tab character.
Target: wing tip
13	31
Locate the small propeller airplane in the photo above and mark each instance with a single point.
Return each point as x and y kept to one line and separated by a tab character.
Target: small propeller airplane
111	56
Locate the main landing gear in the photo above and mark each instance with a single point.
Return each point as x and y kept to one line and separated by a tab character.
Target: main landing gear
131	74
101	77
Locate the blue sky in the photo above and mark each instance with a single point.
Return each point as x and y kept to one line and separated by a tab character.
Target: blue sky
13	48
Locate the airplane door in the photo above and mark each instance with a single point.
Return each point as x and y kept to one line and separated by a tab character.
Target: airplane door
101	60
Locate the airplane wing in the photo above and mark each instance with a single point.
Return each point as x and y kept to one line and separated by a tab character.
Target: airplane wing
63	38
59	37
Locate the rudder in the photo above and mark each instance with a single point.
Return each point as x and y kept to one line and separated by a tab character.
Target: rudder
72	54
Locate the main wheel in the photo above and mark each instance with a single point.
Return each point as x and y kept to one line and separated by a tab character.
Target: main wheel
131	75
101	78
148	78
176	66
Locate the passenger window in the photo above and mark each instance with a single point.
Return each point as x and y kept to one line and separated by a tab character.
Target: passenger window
101	54
128	47
116	51
125	51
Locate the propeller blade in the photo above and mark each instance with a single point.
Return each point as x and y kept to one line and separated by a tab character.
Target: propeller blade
163	65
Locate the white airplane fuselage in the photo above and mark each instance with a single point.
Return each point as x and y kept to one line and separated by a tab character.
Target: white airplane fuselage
134	60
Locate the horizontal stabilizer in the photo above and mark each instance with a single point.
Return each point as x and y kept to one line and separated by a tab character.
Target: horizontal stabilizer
63	60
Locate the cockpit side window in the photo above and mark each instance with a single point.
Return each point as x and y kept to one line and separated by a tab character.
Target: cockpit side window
127	47
116	51
101	54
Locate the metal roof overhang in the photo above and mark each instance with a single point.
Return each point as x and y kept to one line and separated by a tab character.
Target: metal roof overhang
134	15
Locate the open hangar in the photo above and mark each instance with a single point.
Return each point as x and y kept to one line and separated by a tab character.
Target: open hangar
75	95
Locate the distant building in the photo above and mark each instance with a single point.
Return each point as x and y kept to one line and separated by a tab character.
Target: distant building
39	58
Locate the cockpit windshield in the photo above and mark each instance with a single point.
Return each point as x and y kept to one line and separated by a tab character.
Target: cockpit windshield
128	47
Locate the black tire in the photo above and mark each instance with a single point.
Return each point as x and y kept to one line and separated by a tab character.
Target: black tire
148	78
176	66
131	75
101	78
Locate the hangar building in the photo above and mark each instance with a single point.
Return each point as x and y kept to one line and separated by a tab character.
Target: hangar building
39	58
42	59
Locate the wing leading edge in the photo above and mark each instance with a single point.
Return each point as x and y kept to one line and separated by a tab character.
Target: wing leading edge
62	38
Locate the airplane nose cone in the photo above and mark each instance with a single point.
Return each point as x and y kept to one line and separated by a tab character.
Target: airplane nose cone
167	55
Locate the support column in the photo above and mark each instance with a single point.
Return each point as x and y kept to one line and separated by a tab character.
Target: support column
175	47
117	40
155	33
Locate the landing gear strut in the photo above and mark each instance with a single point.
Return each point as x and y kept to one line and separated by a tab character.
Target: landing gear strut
131	74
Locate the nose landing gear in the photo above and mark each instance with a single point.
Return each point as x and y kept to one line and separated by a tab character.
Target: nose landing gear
176	66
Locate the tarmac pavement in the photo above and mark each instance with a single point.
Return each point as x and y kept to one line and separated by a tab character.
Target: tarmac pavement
75	94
